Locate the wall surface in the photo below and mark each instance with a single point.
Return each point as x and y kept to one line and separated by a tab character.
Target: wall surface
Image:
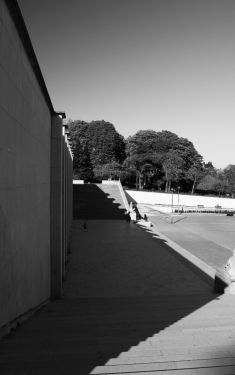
185	200
25	123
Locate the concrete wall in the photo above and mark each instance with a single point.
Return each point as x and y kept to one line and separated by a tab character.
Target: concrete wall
61	204
26	149
185	200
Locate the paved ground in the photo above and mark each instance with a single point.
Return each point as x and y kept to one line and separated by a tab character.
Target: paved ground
209	237
117	259
130	306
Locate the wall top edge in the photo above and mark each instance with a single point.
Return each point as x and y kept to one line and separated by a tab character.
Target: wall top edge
18	20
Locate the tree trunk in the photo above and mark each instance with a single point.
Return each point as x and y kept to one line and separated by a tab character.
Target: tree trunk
193	187
167	182
166	186
139	181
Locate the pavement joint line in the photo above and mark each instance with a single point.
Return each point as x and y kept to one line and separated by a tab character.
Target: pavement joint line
204	267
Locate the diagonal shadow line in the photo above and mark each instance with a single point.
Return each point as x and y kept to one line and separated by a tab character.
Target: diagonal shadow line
195	268
78	335
90	202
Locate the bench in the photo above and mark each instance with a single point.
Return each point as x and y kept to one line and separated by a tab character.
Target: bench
223	282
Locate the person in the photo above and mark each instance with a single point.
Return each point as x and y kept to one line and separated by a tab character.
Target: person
230	265
128	219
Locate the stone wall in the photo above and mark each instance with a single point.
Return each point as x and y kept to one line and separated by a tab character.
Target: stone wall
26	149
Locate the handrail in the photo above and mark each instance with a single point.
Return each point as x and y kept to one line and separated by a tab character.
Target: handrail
123	195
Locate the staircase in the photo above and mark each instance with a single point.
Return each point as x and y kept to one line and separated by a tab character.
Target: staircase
98	201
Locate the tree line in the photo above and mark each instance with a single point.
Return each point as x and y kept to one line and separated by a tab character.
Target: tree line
147	160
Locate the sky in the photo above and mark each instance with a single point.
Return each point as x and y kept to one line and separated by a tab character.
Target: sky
142	64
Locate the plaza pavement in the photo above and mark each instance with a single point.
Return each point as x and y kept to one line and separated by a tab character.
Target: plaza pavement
130	306
210	237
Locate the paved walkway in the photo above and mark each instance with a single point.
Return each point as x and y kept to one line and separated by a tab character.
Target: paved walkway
130	306
118	259
209	237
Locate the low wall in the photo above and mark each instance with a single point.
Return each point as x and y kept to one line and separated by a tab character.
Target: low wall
110	182
156	198
78	182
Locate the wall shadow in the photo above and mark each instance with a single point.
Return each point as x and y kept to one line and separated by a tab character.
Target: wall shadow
78	335
181	258
90	202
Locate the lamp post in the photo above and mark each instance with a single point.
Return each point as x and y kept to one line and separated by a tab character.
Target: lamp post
178	188
172	202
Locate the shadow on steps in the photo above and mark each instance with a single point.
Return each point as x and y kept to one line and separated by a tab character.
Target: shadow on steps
91	202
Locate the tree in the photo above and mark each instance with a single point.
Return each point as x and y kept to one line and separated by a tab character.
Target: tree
112	170
82	166
208	184
142	156
157	150
210	169
149	157
95	143
143	142
172	166
229	176
222	185
210	179
188	153
105	143
195	172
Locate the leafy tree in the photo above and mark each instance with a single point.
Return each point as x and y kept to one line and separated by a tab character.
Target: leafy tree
165	141
222	185
105	143
211	180
208	184
157	150
195	172
143	156
112	170
172	166
82	166
188	153
95	143
149	158
210	169
143	142
229	177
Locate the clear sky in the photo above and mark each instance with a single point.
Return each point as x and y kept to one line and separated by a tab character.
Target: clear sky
142	64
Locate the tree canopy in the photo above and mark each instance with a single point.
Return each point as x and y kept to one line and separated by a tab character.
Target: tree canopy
148	159
95	144
168	156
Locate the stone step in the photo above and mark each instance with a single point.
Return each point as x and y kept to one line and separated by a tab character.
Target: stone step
97	201
218	364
